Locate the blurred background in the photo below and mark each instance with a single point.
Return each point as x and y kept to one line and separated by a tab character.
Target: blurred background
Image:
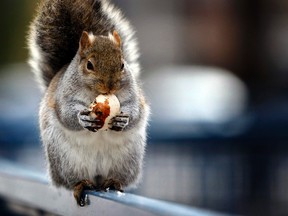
216	75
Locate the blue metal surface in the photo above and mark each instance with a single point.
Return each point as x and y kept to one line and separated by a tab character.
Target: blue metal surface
156	206
25	178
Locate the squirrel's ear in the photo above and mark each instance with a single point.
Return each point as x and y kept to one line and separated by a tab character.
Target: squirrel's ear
85	41
117	38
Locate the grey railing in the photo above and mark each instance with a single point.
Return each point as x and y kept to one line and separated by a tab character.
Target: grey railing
31	189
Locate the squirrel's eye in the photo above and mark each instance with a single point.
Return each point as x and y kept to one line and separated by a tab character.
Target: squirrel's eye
90	65
122	66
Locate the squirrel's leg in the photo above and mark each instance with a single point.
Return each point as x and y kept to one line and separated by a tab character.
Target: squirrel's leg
68	112
80	196
74	115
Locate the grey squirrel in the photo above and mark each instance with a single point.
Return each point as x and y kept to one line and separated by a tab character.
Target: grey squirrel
78	50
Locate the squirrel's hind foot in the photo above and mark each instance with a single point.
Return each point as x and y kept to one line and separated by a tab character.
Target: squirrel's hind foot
112	184
101	185
79	194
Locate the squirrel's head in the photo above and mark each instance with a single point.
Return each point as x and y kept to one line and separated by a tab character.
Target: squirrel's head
102	62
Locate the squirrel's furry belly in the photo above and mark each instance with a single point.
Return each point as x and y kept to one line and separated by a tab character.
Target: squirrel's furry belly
96	153
93	154
85	155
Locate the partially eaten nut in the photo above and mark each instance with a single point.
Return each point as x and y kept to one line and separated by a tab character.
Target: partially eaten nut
105	107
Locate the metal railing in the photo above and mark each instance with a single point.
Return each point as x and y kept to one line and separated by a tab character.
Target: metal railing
31	189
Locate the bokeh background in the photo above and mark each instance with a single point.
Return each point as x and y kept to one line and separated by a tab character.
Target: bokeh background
216	75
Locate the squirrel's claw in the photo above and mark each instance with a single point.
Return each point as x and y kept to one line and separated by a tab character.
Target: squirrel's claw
85	112
119	122
89	122
93	129
79	194
112	184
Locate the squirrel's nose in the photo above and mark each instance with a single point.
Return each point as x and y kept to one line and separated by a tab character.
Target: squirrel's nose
110	85
113	85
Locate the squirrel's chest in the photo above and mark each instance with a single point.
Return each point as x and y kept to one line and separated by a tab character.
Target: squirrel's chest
95	153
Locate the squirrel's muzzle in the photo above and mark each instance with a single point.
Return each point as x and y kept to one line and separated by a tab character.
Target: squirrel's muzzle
108	86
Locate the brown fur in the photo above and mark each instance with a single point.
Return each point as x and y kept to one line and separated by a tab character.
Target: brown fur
79	191
59	26
107	59
51	102
77	54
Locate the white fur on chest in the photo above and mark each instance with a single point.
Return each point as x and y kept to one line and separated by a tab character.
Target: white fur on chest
92	154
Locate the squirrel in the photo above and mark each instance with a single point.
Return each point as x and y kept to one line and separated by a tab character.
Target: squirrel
78	50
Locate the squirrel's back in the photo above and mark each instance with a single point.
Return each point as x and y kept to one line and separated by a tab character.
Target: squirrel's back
56	30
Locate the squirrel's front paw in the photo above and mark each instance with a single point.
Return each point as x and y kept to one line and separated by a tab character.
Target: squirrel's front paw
89	121
119	122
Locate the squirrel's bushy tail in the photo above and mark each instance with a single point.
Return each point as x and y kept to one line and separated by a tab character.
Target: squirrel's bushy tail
55	32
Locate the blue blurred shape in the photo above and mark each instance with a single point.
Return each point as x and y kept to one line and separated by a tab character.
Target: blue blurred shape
196	102
19	99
